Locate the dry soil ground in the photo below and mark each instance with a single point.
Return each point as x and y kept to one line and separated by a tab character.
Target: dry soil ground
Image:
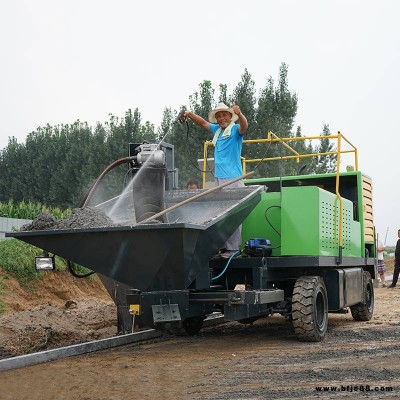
59	310
231	361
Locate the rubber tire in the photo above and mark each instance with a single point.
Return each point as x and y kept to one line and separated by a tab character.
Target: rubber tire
363	311
193	325
310	308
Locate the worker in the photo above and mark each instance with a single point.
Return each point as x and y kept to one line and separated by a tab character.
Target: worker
396	263
192	184
381	262
228	140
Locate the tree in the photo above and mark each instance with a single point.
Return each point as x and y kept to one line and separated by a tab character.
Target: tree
166	123
325	163
277	106
277	109
244	96
13	168
292	167
58	164
188	138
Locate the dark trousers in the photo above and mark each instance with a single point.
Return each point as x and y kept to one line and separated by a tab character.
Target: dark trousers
396	272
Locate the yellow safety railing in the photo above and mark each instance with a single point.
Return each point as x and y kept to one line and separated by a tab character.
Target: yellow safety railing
273	138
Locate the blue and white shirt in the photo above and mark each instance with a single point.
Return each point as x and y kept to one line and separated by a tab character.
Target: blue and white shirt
227	153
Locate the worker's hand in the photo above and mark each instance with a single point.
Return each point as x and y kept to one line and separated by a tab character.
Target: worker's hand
236	109
184	116
181	117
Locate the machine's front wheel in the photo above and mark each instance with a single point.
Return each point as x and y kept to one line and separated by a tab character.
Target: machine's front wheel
193	325
363	311
310	308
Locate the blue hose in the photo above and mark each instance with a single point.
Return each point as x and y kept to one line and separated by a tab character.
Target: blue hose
226	266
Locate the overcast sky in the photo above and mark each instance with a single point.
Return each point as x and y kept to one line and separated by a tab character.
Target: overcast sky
67	60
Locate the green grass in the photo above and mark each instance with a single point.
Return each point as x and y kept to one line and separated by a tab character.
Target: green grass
18	260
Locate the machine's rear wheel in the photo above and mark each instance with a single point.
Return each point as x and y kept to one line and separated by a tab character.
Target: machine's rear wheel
310	308
364	310
193	325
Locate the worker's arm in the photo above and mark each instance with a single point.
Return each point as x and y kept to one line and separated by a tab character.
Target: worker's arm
243	124
199	121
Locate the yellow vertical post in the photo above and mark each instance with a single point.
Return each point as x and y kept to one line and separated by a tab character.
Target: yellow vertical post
340	198
204	164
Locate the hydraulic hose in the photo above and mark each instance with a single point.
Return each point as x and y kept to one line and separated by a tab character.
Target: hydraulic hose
85	202
89	195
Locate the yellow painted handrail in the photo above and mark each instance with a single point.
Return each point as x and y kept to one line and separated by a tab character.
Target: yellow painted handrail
273	138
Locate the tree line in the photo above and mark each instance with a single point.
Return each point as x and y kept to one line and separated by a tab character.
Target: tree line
58	164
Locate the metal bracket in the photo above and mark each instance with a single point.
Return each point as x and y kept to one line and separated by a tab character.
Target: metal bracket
256	296
166	313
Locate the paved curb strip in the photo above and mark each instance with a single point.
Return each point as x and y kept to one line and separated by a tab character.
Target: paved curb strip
76	349
89	347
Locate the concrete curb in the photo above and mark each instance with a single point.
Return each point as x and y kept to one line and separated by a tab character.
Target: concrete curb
76	349
27	360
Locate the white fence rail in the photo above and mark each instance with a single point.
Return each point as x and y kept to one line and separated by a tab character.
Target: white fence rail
10	224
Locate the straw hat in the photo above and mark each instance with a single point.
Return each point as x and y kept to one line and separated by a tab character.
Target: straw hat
221	107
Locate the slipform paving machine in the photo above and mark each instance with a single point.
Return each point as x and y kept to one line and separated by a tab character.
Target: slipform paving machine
308	245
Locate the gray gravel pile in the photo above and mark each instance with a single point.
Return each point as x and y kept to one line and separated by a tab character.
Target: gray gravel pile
80	218
85	218
43	222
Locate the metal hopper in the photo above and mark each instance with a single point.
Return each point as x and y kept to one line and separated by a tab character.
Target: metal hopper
173	255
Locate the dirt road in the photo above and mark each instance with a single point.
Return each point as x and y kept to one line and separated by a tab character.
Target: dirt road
233	361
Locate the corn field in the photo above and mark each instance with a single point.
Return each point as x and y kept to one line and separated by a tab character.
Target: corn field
29	210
